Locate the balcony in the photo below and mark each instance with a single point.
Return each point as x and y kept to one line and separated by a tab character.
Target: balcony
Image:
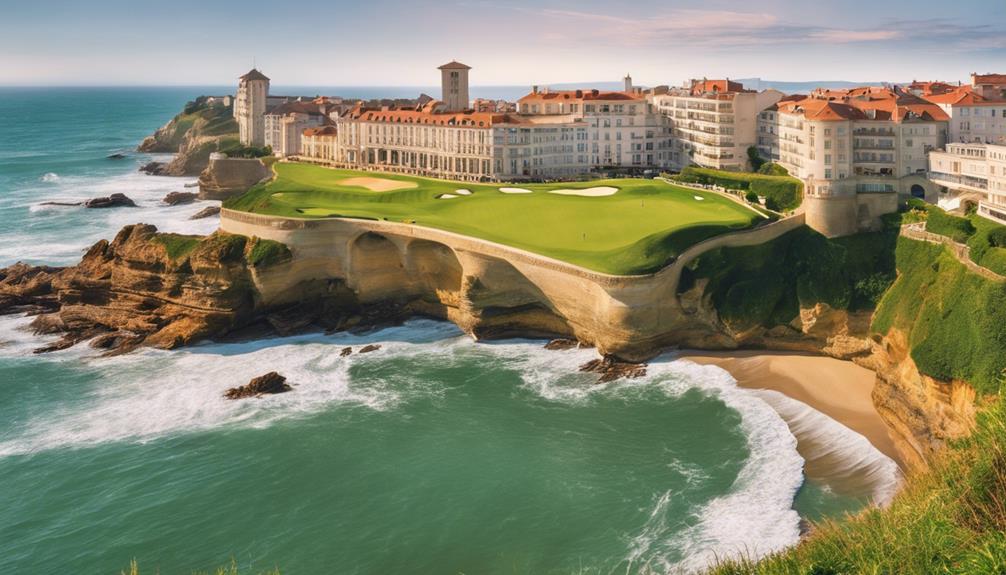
958	181
873	132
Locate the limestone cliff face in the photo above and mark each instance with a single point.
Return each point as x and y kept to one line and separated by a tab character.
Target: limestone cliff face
228	177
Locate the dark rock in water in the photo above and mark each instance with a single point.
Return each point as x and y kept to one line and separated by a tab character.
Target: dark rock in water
345	351
269	383
179	198
562	343
153	168
611	368
120	341
369	348
61	204
113	201
206	213
116	156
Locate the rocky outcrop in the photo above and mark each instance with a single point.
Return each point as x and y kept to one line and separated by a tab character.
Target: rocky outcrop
164	290
201	129
228	177
207	212
179	198
611	368
112	201
268	384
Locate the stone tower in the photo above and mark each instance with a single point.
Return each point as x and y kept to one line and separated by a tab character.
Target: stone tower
454	82
249	107
628	83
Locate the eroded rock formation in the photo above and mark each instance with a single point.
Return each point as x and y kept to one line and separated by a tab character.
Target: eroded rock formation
268	384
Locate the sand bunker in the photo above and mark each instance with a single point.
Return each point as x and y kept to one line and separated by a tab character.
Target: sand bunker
446	196
515	191
590	192
463	192
699	198
378	184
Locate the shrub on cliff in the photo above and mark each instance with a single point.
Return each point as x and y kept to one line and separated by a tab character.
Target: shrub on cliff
265	253
768	283
780	192
955	319
957	228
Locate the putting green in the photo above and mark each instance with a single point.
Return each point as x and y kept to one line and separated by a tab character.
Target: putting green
638	229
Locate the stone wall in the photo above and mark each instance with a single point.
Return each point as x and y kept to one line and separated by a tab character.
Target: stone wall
227	177
844	215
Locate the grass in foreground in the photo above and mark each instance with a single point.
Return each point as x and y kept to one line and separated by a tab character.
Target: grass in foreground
641	228
950	520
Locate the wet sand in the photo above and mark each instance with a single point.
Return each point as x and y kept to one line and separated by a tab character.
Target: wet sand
839	389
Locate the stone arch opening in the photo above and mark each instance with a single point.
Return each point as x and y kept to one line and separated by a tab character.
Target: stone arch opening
918	191
435	267
376	271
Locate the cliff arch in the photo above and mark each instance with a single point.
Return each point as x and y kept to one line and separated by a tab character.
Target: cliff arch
435	268
376	271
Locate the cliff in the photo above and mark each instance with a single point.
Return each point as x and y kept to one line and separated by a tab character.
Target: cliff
199	130
777	287
229	177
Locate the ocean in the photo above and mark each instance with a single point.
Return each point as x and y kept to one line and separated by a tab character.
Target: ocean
434	454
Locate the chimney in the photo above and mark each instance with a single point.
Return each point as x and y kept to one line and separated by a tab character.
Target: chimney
579	93
594	92
534	89
628	83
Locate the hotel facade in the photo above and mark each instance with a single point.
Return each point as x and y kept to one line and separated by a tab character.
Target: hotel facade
714	122
977	170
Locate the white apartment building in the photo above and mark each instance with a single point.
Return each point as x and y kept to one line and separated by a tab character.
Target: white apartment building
854	141
975	168
623	128
714	122
857	151
284	125
977	112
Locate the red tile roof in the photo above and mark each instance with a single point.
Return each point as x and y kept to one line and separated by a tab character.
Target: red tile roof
254	75
704	86
988	79
580	95
865	103
322	131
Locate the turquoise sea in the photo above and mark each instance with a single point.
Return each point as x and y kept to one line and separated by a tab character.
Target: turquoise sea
434	454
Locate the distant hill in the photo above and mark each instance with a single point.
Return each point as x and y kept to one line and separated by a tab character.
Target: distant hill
801	87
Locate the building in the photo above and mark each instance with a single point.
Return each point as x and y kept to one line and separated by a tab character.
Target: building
990	86
284	124
547	135
858	151
714	122
624	129
977	170
977	113
250	107
319	144
454	86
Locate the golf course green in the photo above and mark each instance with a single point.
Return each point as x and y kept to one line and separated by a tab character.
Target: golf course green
638	227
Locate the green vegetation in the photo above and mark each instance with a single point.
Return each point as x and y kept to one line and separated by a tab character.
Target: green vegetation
754	158
781	192
766	284
951	519
955	320
639	229
265	253
985	238
772	169
178	245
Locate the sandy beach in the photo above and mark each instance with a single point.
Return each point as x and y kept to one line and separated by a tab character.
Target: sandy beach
838	389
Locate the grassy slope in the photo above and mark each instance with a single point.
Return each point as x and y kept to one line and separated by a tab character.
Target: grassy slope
637	230
951	519
782	192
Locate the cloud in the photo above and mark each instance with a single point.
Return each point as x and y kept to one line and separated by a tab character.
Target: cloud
724	29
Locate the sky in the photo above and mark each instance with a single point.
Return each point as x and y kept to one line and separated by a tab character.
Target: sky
401	42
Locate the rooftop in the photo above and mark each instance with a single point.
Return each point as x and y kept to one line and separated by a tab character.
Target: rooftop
254	74
454	65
